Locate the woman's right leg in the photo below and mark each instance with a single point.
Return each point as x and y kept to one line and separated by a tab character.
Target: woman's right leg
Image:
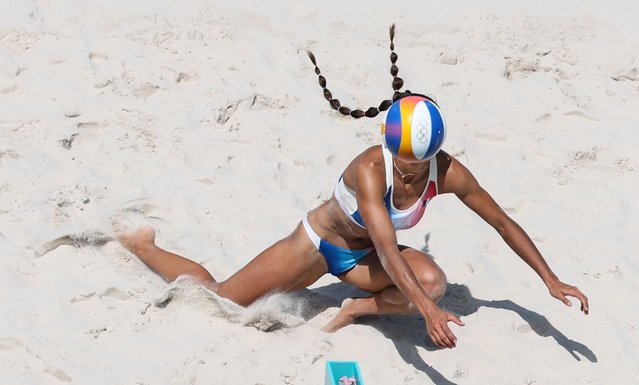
292	263
386	298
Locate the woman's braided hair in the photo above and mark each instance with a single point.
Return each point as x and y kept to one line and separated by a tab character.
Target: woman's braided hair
371	112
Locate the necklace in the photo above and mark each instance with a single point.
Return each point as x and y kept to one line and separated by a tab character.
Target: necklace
407	174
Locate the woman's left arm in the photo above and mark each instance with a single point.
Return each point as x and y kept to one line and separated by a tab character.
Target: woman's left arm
462	183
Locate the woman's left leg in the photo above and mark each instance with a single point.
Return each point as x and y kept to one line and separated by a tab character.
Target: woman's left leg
290	264
167	265
369	275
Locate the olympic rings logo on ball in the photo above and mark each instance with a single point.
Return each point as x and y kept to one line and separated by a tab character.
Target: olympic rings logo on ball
422	135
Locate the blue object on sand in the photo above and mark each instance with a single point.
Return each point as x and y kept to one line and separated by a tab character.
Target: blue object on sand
338	369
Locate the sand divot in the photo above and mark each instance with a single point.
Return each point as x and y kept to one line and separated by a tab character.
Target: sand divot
77	240
9	154
629	75
145	90
57	373
20	352
94	56
577	160
181	76
226	113
8	88
136	214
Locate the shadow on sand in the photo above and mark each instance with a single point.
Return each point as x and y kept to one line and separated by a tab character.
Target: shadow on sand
459	301
407	331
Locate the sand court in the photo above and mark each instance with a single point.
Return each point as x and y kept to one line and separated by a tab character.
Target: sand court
205	121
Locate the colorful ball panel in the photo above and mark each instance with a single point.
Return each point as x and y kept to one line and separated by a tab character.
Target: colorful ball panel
414	129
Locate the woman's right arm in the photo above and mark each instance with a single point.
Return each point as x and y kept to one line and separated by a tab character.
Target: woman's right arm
370	191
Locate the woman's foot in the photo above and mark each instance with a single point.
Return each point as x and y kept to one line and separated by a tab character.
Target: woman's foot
346	315
135	241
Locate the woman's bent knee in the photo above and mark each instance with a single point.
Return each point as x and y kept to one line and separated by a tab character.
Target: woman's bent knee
429	275
433	280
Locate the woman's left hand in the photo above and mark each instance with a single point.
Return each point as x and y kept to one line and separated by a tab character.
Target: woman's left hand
561	291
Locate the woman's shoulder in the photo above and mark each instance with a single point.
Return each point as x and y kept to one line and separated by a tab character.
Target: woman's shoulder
373	153
453	176
371	159
444	161
371	156
368	164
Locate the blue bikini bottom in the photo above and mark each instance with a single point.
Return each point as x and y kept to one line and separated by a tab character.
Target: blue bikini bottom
339	259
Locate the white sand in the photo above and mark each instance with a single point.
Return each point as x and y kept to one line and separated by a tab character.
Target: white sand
205	120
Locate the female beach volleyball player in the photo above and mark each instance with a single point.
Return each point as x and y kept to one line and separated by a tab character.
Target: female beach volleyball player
352	235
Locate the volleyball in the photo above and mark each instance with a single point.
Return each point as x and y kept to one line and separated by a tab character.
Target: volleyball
414	129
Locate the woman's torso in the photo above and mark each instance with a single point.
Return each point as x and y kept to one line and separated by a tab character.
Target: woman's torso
337	227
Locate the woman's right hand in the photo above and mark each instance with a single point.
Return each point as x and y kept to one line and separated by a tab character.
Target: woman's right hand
437	326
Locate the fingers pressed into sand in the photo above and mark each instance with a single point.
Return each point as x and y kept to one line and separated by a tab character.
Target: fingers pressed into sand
582	298
455	319
561	291
437	324
434	336
446	336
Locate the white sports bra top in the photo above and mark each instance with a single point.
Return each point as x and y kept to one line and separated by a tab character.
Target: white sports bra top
402	219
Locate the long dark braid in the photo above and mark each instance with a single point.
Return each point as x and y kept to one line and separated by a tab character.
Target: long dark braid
335	103
397	81
372	111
